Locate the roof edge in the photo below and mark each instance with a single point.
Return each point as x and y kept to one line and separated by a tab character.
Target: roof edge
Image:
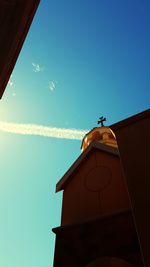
130	120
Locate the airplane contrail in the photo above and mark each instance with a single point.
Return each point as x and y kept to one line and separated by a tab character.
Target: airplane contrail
41	130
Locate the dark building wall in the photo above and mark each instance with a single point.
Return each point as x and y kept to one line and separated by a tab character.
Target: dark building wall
133	137
15	19
111	236
96	188
109	262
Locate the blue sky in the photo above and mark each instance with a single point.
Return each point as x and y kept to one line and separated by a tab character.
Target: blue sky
80	60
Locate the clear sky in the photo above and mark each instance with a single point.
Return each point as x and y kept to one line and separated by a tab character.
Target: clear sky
81	60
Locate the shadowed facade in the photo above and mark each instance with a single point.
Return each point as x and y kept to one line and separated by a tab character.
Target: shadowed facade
97	225
15	19
133	138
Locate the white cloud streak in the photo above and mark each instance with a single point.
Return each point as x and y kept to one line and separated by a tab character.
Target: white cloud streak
40	130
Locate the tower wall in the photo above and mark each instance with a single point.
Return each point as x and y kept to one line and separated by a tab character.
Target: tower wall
96	188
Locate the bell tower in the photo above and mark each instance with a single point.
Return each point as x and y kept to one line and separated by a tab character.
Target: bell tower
97	227
103	135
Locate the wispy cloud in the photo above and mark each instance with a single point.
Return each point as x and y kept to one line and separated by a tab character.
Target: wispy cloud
45	131
10	82
52	85
37	67
11	85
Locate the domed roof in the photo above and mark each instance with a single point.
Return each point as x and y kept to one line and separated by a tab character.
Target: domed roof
101	134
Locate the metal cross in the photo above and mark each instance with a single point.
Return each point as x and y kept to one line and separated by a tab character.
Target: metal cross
101	120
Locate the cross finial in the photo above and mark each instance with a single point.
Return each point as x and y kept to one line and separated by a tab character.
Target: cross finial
101	120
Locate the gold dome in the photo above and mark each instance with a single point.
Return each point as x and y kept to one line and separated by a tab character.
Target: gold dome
101	134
